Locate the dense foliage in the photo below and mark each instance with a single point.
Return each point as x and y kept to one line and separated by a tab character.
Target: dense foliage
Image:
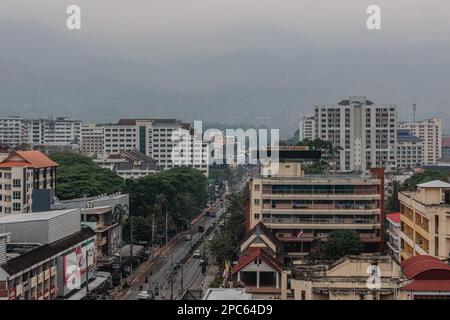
341	243
329	154
79	176
225	244
182	192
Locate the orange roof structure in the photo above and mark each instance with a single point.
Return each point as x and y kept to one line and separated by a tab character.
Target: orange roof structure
32	159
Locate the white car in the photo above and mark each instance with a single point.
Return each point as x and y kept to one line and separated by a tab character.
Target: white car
211	238
144	295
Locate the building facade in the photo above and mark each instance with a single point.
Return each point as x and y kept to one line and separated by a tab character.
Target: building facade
425	220
154	138
57	132
92	139
346	279
430	131
365	132
13	132
303	209
445	149
306	128
393	230
21	174
409	150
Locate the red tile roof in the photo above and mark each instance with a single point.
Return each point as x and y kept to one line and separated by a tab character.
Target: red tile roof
33	159
419	267
251	254
428	285
394	217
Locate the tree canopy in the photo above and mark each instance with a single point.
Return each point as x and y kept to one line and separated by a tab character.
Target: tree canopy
79	176
341	243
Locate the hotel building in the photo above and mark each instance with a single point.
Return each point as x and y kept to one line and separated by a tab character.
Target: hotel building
425	220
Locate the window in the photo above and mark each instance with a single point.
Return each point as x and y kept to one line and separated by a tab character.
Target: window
16	195
16	206
256	202
16	183
257	187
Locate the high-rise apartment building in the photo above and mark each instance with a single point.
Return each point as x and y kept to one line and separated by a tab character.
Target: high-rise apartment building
21	174
425	220
430	131
301	209
306	128
364	132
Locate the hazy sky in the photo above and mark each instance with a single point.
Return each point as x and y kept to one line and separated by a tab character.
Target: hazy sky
327	22
222	58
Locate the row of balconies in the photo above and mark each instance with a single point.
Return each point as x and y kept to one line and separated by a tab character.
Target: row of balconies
319	221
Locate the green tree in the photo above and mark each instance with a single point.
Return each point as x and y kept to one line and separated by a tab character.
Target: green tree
341	243
79	176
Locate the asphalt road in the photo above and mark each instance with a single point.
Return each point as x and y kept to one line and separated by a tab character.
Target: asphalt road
161	266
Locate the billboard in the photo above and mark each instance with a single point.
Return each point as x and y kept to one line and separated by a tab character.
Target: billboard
75	263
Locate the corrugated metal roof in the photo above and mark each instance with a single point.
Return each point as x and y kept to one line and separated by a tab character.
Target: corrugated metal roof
434	184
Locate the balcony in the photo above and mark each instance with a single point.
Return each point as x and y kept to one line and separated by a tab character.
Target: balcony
287	223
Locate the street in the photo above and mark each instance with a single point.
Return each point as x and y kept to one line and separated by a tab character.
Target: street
162	265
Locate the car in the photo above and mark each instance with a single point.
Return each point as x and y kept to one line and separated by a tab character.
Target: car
201	229
144	295
188	237
197	254
211	238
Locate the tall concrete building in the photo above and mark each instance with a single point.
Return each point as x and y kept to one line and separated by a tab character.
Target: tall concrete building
430	131
365	132
306	128
301	209
153	137
425	220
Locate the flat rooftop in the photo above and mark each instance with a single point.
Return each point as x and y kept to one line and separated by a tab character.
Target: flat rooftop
35	216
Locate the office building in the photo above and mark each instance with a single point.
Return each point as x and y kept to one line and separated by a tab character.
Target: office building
365	132
430	131
425	220
24	177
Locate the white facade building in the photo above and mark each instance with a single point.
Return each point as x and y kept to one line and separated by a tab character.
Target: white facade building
13	131
153	137
430	131
55	132
365	132
306	128
409	150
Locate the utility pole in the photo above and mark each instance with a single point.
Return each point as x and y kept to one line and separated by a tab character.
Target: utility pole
171	276
131	244
167	227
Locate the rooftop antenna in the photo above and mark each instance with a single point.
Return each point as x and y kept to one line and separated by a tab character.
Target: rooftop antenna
414	112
